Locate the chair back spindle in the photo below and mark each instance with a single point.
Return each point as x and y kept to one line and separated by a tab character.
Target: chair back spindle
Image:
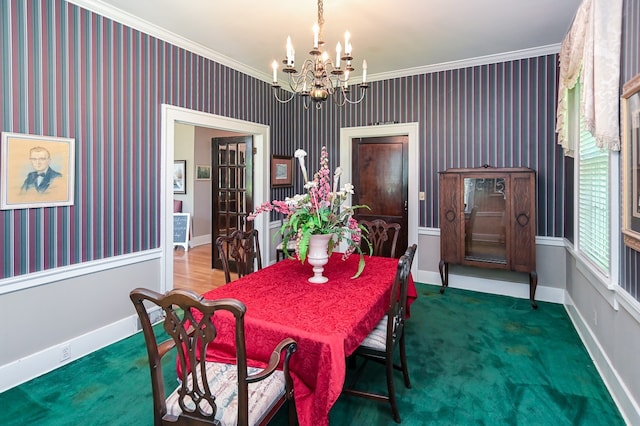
239	252
383	236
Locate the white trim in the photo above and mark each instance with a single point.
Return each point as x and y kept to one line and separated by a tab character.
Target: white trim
466	63
171	115
200	240
410	129
39	363
494	286
540	241
21	282
615	204
619	392
628	303
551	241
146	27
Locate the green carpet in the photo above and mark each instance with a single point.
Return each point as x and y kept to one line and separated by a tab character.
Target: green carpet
473	359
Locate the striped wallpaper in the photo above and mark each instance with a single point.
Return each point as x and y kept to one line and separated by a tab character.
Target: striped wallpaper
629	67
68	72
499	114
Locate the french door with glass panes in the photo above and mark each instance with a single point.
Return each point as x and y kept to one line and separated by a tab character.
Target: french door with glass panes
232	187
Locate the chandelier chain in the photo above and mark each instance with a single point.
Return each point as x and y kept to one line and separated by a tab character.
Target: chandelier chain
320	19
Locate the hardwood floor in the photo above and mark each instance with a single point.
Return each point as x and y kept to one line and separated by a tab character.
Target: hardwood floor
192	270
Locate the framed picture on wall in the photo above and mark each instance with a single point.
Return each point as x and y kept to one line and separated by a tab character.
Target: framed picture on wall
281	171
203	172
630	159
180	177
36	171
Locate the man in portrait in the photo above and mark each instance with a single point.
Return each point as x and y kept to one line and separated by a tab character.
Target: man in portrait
42	175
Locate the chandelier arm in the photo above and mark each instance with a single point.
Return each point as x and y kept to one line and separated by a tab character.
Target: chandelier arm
282	101
340	98
305	102
363	89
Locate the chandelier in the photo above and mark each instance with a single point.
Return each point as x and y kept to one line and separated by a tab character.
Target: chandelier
319	76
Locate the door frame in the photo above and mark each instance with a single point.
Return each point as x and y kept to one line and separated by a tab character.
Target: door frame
409	129
170	115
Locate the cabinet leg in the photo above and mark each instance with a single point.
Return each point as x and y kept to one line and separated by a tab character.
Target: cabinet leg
443	267
533	284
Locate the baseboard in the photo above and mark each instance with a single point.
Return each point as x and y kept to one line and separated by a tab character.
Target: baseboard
493	286
200	240
618	390
37	364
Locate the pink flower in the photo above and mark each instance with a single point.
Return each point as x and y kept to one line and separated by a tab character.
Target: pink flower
319	211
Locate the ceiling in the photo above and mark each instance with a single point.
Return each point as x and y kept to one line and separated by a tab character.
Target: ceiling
399	37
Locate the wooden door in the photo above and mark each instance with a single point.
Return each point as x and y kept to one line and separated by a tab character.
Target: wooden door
381	179
232	188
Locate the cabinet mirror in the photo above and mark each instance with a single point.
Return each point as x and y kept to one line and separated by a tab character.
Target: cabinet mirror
484	225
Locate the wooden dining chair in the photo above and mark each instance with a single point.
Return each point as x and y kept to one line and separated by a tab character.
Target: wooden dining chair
382	235
239	253
291	249
381	343
411	253
210	392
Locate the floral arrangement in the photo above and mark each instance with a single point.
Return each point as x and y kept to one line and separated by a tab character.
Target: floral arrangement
320	210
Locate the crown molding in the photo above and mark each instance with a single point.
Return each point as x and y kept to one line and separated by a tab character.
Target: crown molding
146	27
470	62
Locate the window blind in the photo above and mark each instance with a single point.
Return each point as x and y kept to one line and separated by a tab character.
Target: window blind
593	200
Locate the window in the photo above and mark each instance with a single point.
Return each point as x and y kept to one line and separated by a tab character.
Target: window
592	191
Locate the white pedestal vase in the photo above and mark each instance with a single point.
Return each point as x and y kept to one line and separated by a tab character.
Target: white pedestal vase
318	256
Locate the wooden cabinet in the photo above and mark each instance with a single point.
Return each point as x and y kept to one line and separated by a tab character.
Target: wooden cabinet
488	220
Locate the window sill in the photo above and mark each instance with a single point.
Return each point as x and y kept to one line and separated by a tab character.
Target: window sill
600	282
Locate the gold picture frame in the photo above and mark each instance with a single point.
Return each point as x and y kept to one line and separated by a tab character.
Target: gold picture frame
36	171
281	171
630	159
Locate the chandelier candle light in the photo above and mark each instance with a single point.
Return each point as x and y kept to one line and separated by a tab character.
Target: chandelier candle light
319	76
320	212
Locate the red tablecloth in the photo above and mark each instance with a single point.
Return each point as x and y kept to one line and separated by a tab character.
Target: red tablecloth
328	321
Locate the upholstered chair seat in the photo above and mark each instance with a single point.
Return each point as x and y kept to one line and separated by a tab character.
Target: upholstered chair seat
222	380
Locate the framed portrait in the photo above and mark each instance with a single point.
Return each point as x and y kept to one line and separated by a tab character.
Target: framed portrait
180	177
630	159
203	172
281	171
36	171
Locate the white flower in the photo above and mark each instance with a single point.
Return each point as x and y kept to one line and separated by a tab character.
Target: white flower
336	178
310	184
348	188
300	154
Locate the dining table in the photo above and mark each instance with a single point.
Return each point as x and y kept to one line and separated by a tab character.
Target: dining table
328	321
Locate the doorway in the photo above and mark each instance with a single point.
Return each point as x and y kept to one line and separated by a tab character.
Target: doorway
231	189
380	174
347	134
172	115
